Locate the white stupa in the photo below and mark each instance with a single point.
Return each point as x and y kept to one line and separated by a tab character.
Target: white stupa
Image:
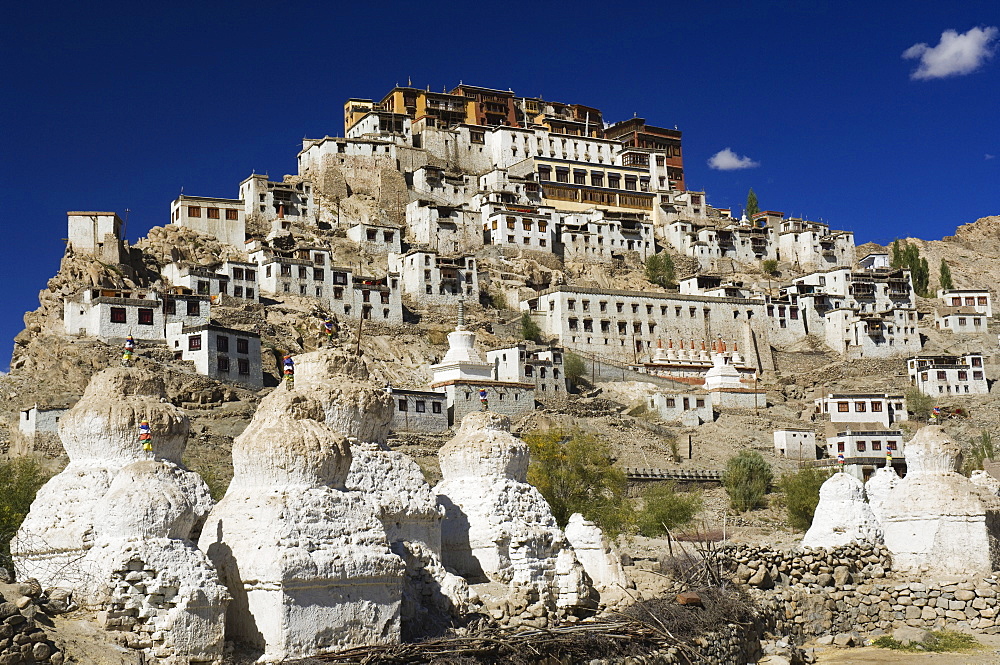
462	360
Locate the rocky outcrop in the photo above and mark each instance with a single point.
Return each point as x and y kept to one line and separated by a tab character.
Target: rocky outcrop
842	515
306	560
101	437
498	527
937	521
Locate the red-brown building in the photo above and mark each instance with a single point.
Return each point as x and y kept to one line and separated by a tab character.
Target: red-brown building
637	134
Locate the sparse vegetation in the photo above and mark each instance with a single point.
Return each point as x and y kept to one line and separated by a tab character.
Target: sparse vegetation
747	478
802	495
20	480
665	508
496	299
919	404
660	270
938	641
574	472
529	329
982	449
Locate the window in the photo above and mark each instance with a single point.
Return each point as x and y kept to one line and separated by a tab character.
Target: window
977	375
942	376
876	407
859	407
421	406
436	407
371	235
222	343
402	405
250	275
194	343
699	402
145	317
614	181
118	315
843	407
671	403
194	211
222	363
876	445
891	445
249	293
286	271
862	446
238	291
303	273
169	306
213	213
203	288
238	273
318	274
244	366
232	215
977	361
981	300
840	446
194	308
963	375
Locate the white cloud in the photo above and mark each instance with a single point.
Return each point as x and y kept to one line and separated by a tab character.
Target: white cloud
727	160
988	156
955	54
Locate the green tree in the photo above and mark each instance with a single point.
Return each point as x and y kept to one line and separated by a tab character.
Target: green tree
981	450
574	368
575	474
769	266
919	404
665	508
802	495
20	480
908	256
752	207
944	276
660	270
746	478
530	329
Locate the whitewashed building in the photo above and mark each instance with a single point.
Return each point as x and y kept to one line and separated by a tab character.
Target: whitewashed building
866	444
224	219
452	229
221	353
979	300
796	443
518	225
436	279
692	409
527	363
881	408
419	411
948	375
376	238
267	200
113	315
598	235
97	233
960	319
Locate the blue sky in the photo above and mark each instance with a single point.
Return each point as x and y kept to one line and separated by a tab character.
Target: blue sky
109	106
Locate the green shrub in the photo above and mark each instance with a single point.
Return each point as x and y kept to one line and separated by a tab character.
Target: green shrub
769	266
530	329
574	368
919	404
802	495
982	449
660	270
747	478
664	508
20	480
574	472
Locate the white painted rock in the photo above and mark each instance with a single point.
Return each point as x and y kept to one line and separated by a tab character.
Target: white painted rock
842	515
145	576
596	553
101	436
497	527
355	406
878	488
937	521
986	481
306	560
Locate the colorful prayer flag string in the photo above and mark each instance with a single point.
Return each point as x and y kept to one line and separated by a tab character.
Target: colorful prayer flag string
145	436
289	365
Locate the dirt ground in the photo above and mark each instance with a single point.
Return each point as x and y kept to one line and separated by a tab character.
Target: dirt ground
987	654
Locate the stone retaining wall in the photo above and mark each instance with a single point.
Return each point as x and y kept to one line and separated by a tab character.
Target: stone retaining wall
763	567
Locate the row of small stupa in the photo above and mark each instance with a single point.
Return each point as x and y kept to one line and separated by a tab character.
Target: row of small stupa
324	539
934	521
